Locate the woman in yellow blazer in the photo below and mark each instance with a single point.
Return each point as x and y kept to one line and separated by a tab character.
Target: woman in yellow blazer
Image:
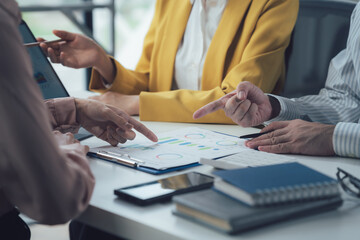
248	45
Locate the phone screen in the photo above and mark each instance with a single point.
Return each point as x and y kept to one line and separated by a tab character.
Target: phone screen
165	188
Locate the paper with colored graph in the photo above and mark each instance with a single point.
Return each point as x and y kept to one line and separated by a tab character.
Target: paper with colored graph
177	148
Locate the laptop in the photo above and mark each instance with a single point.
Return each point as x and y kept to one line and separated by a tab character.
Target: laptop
44	74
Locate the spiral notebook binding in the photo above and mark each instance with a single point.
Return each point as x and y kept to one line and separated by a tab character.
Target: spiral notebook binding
295	193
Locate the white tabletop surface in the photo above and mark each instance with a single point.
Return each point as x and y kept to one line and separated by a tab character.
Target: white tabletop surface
124	219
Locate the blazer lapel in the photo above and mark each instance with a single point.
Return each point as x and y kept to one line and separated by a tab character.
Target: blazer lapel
173	34
229	24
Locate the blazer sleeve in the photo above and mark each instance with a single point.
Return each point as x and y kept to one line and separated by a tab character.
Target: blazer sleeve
262	64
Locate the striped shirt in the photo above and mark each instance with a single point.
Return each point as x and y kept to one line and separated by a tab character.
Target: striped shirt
339	102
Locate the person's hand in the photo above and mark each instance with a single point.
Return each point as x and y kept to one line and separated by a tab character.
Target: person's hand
128	103
297	137
67	141
246	106
79	51
108	122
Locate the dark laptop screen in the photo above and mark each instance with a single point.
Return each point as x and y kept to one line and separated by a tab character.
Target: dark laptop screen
44	74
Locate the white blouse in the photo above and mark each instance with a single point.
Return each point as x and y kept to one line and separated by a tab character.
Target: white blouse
201	26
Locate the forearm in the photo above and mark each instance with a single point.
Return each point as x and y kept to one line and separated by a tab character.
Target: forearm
105	67
329	107
125	81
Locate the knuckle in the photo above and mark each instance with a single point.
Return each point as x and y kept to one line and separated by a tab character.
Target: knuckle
247	102
245	83
254	108
281	148
270	134
297	121
227	112
107	111
270	125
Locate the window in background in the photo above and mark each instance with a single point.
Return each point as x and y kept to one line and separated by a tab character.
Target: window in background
132	21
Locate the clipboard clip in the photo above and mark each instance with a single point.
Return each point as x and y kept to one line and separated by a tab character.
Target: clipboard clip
124	159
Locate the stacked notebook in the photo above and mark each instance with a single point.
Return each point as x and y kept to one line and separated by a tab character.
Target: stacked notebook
275	184
225	214
250	197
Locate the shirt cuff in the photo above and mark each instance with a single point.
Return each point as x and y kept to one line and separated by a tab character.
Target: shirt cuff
285	112
289	110
346	139
63	114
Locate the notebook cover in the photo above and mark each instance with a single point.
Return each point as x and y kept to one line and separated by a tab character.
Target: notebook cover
273	177
242	217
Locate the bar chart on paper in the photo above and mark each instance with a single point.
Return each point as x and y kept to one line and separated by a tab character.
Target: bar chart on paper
180	147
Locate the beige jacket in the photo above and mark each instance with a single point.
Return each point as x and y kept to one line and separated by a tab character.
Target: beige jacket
45	181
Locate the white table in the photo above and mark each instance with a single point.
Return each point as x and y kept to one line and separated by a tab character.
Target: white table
121	218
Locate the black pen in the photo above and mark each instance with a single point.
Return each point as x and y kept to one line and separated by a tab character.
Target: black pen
254	135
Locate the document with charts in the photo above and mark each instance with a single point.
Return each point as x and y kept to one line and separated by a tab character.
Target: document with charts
177	148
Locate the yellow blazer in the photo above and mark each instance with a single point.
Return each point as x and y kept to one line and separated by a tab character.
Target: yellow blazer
249	45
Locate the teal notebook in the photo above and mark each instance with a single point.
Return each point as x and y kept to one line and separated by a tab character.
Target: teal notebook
275	184
225	214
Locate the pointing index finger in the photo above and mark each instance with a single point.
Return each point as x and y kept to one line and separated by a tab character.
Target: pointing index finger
141	128
212	106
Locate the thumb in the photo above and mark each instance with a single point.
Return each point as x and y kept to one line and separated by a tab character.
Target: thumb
243	89
40	39
67	36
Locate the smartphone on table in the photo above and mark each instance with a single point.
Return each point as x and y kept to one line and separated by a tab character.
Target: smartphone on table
162	190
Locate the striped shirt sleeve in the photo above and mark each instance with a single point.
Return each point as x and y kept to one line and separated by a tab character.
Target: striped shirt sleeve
346	139
338	103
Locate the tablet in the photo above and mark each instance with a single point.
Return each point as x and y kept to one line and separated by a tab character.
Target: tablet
45	75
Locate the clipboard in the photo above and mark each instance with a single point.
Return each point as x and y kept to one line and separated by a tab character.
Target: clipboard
183	148
124	161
